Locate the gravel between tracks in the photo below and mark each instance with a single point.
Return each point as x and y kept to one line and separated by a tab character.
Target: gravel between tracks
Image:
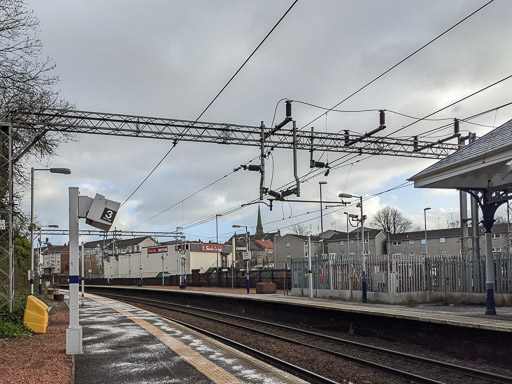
37	359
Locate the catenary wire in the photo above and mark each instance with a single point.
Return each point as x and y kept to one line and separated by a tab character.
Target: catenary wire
192	195
365	110
466	120
402	61
451	104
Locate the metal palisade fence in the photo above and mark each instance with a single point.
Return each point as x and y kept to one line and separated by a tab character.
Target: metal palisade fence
400	273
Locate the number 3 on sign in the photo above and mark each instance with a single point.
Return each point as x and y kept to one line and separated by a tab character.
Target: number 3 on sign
108	215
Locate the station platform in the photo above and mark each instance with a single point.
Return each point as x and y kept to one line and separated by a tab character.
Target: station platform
125	344
466	316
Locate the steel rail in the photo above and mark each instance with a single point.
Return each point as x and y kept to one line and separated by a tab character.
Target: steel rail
310	376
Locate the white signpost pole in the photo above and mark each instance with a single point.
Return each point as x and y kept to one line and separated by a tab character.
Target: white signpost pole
74	331
100	213
83	274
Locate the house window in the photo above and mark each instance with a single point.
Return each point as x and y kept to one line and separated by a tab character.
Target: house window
496	249
442	240
423	241
342	242
423	254
442	252
396	243
288	245
411	241
351	241
496	235
366	241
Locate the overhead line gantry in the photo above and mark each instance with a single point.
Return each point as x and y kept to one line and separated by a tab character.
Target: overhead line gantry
84	122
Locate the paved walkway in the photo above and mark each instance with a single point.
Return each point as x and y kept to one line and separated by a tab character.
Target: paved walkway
125	344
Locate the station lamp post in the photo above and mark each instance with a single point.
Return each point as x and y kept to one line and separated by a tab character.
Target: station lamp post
63	171
248	245
361	220
217	215
320	183
425	218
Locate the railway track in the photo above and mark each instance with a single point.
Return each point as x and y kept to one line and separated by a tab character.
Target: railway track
352	359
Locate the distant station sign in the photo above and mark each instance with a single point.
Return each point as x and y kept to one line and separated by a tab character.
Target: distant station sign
212	248
157	250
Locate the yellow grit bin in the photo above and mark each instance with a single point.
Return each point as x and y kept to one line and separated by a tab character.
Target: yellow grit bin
36	315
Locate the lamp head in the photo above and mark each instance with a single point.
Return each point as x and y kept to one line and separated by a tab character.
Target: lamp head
64	171
345	195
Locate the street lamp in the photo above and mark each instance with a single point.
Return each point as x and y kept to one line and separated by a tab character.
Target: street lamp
348	236
64	171
348	196
217	215
425	218
322	217
248	245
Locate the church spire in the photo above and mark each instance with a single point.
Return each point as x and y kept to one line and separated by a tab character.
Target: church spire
259	226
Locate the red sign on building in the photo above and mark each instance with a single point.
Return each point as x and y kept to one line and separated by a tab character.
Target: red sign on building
212	247
157	250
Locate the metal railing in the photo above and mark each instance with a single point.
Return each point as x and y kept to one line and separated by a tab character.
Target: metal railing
404	273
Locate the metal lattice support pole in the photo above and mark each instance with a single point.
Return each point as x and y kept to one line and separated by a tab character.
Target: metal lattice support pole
6	236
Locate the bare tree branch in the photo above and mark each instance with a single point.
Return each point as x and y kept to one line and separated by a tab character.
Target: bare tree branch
391	220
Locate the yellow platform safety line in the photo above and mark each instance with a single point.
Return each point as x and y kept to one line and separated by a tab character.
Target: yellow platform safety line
202	364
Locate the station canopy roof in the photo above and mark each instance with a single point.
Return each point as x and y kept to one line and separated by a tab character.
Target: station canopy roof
485	164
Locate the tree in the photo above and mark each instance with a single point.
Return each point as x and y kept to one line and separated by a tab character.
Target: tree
300	229
26	80
391	220
454	224
26	87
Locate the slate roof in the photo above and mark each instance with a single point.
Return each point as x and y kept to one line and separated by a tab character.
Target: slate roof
418	235
301	237
119	243
499	139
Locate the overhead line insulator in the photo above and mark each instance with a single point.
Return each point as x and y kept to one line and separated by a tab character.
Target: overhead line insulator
382	118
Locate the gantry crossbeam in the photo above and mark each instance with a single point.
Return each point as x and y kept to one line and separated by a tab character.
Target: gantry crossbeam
73	121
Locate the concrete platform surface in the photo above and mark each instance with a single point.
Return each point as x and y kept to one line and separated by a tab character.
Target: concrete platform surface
125	344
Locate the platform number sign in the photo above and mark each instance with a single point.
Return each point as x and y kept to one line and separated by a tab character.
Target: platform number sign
108	215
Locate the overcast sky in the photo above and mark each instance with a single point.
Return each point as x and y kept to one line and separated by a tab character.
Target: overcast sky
170	58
